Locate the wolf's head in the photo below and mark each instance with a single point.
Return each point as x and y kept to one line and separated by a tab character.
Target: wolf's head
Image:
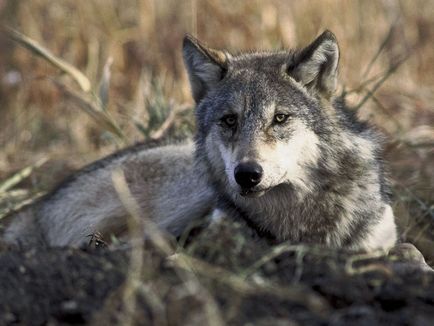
261	115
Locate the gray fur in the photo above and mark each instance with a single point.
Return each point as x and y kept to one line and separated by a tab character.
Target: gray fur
164	181
207	66
322	182
316	66
323	176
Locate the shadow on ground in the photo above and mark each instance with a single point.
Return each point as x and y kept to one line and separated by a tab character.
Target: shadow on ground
224	275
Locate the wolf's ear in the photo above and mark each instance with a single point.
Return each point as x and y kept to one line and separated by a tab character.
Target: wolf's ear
316	65
205	66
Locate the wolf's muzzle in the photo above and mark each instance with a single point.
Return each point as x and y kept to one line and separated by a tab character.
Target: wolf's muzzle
248	174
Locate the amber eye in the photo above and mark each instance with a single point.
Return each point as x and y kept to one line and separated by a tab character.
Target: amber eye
280	118
229	120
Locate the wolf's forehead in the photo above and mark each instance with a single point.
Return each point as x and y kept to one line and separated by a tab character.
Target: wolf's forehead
259	73
258	90
258	83
260	61
246	94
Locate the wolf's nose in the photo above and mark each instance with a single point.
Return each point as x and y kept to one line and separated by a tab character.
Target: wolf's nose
248	174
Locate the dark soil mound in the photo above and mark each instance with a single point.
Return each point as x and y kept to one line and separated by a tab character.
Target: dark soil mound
225	275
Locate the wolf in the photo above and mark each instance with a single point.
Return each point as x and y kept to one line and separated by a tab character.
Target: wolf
163	180
285	153
274	146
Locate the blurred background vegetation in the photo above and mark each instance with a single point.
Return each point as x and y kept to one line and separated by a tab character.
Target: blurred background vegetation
130	51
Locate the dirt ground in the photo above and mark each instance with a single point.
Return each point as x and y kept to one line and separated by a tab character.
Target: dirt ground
224	275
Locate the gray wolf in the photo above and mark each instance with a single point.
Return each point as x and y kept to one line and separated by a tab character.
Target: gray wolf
274	146
164	181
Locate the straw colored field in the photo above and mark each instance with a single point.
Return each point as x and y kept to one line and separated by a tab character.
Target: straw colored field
129	51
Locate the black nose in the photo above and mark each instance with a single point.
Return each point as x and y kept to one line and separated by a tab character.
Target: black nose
248	174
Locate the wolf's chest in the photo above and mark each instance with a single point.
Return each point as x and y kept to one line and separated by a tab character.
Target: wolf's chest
286	220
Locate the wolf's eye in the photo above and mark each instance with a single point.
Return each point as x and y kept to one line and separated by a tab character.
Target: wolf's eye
280	118
229	120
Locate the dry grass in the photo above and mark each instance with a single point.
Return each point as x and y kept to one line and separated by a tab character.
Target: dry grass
131	82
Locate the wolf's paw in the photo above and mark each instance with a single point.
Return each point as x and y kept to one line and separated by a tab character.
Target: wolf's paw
407	252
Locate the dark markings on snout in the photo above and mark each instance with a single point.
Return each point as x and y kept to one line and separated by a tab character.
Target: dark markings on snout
248	174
